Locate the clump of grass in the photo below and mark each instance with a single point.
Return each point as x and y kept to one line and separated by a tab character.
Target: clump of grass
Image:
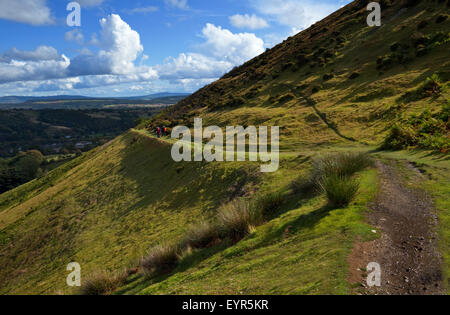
237	218
332	175
342	164
102	283
201	235
160	260
268	204
340	190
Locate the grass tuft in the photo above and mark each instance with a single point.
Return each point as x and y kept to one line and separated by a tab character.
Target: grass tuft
202	235
237	218
161	259
340	190
268	204
102	283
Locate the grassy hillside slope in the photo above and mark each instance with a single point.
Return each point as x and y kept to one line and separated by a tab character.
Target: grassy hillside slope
105	209
338	81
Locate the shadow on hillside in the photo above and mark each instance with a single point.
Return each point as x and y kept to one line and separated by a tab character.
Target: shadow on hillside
330	124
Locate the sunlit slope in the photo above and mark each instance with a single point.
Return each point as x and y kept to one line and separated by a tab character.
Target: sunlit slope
104	210
338	81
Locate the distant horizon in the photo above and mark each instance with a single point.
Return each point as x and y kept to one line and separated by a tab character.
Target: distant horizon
97	97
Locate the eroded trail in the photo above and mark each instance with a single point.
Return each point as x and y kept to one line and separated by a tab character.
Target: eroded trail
407	249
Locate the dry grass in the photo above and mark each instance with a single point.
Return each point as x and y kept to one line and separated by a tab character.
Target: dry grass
202	235
102	283
237	218
161	259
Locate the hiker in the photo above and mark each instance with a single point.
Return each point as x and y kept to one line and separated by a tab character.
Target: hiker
165	131
158	131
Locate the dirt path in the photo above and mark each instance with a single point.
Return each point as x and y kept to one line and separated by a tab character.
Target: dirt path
406	250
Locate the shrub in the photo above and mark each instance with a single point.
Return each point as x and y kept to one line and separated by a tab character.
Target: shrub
340	190
427	131
201	235
237	218
161	259
102	283
399	138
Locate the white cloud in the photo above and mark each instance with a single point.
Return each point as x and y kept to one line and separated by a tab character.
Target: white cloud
192	66
248	21
34	12
221	51
113	64
298	14
39	54
120	61
120	48
74	35
142	10
16	70
180	4
234	48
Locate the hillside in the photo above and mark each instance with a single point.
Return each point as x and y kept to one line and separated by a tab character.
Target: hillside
336	87
337	81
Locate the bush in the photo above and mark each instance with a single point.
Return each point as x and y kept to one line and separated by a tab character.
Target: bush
237	218
102	283
201	235
427	131
340	190
399	138
160	260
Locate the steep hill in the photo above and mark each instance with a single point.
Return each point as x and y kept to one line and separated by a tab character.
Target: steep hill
336	87
338	81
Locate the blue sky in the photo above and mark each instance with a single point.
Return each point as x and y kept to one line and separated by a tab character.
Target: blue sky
125	48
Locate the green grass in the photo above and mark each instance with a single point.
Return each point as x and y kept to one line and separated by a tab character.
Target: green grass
303	251
107	209
340	190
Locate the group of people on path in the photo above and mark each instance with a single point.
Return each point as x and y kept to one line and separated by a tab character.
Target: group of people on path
162	131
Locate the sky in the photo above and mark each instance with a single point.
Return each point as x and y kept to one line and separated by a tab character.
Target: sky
130	48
